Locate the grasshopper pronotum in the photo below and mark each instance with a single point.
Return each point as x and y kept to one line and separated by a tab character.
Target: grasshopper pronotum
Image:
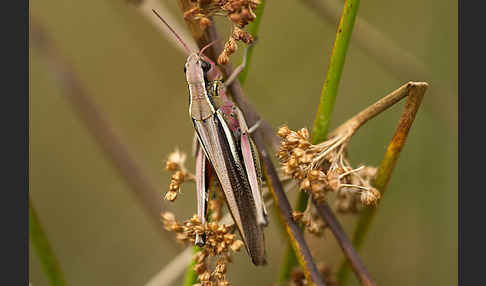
226	147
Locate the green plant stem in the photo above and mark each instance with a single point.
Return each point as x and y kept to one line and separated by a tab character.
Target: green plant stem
416	92
191	276
41	244
252	28
336	65
326	106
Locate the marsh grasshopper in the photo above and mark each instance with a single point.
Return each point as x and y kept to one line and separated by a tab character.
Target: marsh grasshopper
224	145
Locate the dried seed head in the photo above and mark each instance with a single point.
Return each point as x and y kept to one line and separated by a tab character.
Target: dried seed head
323	167
297	216
223	59
200	256
191	13
314	175
370	197
283	131
304	133
168	216
231	46
175	163
205	276
204	22
171	166
170	196
221	267
305	184
200	268
237	245
235	18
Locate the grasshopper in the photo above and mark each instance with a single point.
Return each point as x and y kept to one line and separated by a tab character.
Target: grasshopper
223	146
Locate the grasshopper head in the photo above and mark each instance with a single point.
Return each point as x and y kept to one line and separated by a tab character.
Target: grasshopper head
196	68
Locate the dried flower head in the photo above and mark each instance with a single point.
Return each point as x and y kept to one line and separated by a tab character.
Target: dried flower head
311	222
238	12
220	244
324	168
175	164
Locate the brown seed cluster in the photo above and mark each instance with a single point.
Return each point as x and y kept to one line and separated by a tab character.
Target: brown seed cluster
239	12
175	164
214	277
220	243
311	221
324	168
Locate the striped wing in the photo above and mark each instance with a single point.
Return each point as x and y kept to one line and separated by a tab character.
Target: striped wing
219	146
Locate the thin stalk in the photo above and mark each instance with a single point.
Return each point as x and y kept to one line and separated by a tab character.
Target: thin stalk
336	65
415	94
44	250
351	254
252	28
326	105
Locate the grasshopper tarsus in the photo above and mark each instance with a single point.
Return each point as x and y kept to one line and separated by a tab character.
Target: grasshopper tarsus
200	240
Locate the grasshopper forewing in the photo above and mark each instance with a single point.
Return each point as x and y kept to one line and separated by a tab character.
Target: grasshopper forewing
231	154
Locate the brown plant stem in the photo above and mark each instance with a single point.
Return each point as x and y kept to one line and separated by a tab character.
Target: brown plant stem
415	92
389	55
351	254
354	123
100	127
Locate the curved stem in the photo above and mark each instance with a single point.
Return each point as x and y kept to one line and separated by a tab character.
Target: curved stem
415	92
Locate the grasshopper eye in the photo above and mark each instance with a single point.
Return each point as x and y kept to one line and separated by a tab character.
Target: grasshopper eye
185	69
205	66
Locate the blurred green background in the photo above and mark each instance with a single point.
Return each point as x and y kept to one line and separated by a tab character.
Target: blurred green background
99	231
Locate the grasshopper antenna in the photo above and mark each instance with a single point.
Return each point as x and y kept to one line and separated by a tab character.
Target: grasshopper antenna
173	32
